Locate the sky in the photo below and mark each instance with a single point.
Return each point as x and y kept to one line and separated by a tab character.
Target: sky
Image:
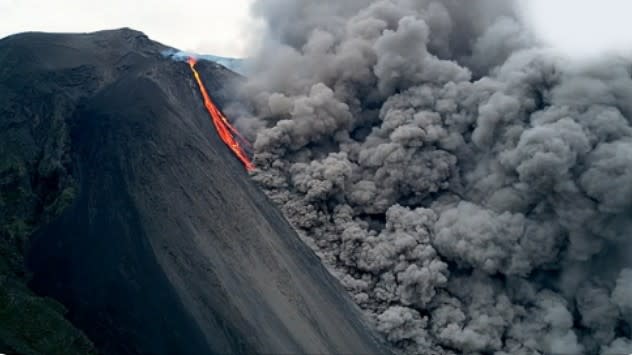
217	27
584	29
580	28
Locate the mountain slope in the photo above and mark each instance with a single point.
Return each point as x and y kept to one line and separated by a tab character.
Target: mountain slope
167	246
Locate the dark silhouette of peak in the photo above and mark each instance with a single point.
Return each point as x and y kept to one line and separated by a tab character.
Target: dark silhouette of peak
141	222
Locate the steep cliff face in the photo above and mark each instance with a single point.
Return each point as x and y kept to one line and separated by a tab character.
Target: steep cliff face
146	228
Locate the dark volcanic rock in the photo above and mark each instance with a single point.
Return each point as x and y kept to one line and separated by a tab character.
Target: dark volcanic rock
168	247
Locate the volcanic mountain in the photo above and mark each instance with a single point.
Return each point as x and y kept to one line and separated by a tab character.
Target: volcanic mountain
133	216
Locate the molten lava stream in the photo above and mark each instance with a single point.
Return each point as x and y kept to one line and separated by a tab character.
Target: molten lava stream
224	129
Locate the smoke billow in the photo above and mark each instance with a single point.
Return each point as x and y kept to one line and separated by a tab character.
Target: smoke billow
471	190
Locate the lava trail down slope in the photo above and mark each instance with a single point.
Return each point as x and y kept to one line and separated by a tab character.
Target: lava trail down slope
167	247
224	129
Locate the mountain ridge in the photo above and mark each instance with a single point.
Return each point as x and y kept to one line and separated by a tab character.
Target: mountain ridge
165	244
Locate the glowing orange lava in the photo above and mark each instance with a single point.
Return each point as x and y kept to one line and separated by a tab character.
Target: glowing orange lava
224	129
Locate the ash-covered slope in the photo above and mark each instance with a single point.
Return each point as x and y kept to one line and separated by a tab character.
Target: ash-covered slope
167	246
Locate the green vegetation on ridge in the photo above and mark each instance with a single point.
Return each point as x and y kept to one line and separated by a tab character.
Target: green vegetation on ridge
35	188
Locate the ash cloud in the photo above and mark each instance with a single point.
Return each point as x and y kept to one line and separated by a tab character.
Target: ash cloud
471	190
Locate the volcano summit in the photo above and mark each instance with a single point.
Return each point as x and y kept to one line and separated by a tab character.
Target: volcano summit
131	213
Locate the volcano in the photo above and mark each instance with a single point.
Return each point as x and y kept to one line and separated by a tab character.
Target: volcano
145	226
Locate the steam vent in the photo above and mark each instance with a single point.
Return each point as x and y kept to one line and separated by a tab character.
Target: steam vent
139	227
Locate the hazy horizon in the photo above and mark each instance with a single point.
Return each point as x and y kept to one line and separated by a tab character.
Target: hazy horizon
220	28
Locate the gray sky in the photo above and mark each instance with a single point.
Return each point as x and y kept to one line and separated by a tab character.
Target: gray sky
225	27
218	27
583	28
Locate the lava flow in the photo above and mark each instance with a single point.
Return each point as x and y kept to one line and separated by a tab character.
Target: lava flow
225	130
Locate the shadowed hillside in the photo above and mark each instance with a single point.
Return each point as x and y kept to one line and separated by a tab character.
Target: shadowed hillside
144	226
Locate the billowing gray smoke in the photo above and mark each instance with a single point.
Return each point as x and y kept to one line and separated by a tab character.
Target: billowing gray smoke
471	190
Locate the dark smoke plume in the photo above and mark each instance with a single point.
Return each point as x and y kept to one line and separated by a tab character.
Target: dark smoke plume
471	189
